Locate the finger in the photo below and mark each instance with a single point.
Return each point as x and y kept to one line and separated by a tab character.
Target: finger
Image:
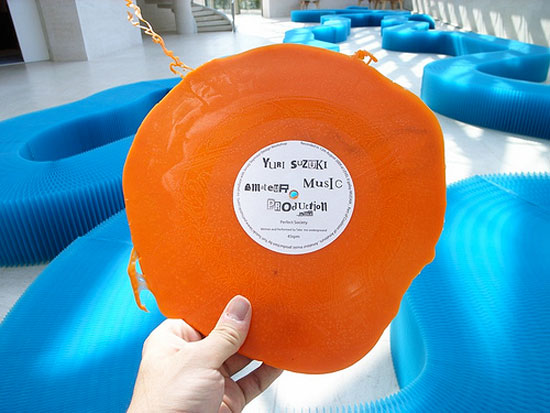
165	337
257	381
236	363
183	330
228	335
233	400
174	328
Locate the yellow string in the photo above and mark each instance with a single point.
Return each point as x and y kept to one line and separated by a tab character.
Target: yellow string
177	67
361	54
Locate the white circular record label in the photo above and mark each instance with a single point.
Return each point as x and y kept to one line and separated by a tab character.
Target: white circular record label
293	197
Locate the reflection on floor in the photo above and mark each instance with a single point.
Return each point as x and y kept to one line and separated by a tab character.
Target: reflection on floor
469	150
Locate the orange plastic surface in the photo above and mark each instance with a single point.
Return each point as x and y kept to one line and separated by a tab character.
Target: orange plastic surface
316	312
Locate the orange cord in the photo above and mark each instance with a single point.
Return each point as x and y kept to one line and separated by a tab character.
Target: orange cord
136	279
137	20
361	54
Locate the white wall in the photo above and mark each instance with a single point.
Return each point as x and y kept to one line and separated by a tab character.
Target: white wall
524	20
28	27
105	27
86	29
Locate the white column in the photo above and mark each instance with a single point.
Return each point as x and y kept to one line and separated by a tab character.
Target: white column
86	29
28	27
185	22
62	29
105	27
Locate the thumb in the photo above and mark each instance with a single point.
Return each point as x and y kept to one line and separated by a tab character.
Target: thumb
229	334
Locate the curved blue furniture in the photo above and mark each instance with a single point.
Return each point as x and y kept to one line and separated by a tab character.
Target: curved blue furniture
490	83
472	332
73	341
397	20
359	16
61	169
334	29
336	23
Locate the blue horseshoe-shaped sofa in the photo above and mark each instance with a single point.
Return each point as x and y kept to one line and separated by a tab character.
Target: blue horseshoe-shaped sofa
61	169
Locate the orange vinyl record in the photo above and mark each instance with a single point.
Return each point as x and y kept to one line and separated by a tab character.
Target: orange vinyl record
300	178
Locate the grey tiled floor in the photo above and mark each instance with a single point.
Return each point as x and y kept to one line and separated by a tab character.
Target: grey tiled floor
469	150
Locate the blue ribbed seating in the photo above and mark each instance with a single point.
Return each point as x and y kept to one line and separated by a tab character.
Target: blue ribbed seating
397	20
335	19
491	82
324	36
360	17
61	169
73	341
336	23
472	332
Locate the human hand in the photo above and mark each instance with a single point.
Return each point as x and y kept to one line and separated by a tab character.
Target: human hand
181	371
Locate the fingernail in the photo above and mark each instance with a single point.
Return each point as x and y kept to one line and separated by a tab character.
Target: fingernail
238	308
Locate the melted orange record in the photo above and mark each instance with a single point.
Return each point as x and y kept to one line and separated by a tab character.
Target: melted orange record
313	312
